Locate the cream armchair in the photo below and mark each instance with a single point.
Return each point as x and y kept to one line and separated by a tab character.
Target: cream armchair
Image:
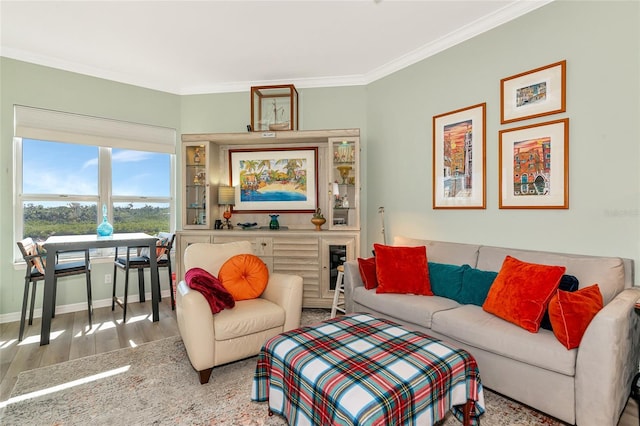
232	334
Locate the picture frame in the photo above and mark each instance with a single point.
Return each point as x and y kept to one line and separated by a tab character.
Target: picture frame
459	162
534	93
274	179
542	151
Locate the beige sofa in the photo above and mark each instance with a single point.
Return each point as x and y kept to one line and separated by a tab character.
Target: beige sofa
240	332
587	386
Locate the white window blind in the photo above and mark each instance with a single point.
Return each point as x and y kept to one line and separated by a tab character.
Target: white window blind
57	126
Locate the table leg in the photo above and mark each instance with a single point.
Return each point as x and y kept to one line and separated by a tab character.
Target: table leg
155	282
48	300
468	411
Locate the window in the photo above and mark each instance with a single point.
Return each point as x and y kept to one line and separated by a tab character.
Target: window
60	187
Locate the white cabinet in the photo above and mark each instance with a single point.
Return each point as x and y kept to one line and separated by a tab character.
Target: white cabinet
312	255
344	183
196	196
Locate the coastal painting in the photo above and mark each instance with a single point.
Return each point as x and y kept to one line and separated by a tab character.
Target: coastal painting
271	180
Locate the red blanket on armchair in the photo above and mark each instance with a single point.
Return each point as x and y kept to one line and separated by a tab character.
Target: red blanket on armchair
211	288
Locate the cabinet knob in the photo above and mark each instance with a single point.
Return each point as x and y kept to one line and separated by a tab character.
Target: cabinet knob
263	244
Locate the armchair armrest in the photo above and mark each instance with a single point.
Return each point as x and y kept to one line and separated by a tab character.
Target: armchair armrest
195	323
607	361
352	280
286	291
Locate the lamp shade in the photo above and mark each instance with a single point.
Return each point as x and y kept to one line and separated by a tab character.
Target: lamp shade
226	195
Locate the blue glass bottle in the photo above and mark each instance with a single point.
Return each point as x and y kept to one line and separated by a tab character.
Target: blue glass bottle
105	229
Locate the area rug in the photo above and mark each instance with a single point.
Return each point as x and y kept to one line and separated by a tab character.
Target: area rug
154	384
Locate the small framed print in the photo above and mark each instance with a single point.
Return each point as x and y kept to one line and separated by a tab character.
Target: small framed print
534	166
459	158
534	93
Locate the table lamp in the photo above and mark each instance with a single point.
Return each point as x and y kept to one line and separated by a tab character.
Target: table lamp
227	198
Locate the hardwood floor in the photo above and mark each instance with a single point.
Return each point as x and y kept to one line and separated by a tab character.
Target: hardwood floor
71	338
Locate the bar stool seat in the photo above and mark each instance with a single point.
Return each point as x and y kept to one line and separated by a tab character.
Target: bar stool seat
338	306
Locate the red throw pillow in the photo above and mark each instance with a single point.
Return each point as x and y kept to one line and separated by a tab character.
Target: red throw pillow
245	276
571	312
367	269
521	292
402	270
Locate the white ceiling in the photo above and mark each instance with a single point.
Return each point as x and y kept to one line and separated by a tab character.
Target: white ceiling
193	47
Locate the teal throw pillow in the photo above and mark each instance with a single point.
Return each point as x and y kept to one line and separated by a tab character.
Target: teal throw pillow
475	286
446	280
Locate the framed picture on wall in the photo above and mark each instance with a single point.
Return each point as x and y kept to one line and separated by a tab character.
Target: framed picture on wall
275	180
533	93
534	166
459	158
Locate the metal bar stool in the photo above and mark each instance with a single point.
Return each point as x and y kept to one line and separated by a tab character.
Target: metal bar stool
337	305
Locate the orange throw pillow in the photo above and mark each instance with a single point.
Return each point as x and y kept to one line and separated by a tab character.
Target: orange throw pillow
245	276
571	312
521	292
402	270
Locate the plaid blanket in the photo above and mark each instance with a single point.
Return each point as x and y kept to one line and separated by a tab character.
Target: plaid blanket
361	370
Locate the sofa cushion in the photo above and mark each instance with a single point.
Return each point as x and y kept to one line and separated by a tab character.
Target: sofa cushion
521	292
367	268
444	252
475	286
248	317
608	272
567	283
402	270
445	279
571	313
473	326
404	307
245	276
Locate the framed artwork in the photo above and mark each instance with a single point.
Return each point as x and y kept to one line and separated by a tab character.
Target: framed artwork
275	180
533	93
534	166
459	158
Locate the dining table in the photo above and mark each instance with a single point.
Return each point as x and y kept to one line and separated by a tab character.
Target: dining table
59	243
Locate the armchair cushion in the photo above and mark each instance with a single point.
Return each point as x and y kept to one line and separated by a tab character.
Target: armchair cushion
245	276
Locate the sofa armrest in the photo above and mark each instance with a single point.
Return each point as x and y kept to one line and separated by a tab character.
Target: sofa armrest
607	361
286	291
195	323
351	281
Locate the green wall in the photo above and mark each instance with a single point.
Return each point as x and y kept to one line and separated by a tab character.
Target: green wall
599	40
601	44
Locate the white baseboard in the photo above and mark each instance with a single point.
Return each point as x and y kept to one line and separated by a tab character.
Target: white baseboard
75	307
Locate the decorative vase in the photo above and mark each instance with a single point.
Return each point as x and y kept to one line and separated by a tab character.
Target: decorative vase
318	222
105	229
274	221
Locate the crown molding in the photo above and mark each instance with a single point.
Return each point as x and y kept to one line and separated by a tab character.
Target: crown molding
486	23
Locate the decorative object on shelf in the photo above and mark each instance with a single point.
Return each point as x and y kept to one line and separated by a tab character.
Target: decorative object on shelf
105	229
247	225
275	179
336	193
534	166
196	156
344	153
227	198
534	93
344	173
274	108
318	219
459	158
273	224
